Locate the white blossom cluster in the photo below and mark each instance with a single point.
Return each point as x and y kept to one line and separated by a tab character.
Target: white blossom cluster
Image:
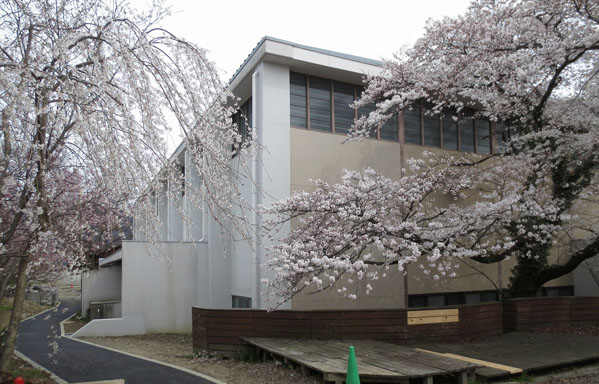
532	64
88	92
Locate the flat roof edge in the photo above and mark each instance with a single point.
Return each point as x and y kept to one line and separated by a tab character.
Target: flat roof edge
364	60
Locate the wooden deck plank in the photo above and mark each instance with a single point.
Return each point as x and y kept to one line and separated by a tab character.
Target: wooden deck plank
527	350
376	360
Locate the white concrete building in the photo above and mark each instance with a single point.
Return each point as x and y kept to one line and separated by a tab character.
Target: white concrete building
298	99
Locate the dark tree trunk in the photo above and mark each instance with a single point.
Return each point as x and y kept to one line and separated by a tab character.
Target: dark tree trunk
15	315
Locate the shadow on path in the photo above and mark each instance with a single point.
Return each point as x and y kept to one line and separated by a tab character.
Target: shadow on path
39	339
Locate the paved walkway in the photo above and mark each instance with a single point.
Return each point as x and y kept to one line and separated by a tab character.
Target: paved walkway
39	339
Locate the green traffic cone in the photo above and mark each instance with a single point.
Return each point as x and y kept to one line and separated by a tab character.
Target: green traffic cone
352	368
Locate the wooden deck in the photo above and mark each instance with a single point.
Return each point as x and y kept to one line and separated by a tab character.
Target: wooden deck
517	352
377	361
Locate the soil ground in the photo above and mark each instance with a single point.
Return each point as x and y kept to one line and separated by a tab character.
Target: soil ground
30	308
74	324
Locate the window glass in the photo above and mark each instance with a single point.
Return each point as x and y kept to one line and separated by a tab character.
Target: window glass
502	135
344	114
436	300
241	302
298	100
472	298
320	104
466	131
411	118
454	298
416	301
483	136
389	129
365	111
450	130
432	130
488	296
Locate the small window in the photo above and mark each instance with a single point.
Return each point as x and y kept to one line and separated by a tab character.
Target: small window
365	111
465	124
455	298
432	129
483	136
417	301
389	129
436	300
502	134
411	118
344	114
450	130
559	291
298	100
241	302
488	296
320	104
472	298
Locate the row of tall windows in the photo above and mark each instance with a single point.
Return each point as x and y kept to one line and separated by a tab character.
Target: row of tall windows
323	105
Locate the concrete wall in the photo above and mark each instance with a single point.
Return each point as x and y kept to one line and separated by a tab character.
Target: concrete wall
270	171
584	283
160	284
103	284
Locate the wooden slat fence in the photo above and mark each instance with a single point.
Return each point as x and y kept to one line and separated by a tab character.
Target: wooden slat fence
221	330
526	314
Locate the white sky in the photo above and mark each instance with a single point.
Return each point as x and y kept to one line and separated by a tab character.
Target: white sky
230	29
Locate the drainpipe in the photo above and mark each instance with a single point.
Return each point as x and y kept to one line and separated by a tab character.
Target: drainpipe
256	197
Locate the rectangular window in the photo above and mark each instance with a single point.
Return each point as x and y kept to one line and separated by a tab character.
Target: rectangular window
389	129
365	111
298	100
417	301
466	127
241	302
450	130
411	117
488	296
502	135
344	114
432	129
483	136
320	104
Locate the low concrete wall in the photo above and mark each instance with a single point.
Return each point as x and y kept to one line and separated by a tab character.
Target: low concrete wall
220	330
103	284
525	314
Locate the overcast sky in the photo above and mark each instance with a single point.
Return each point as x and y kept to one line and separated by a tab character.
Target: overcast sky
230	29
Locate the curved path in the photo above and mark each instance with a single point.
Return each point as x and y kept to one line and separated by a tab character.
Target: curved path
39	339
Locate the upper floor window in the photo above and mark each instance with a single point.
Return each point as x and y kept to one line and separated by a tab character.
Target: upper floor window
324	105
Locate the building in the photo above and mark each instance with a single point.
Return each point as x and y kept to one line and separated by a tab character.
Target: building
298	100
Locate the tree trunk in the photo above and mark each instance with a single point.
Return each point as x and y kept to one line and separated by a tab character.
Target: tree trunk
15	315
7	279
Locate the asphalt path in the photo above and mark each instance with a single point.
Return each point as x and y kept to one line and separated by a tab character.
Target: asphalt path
73	361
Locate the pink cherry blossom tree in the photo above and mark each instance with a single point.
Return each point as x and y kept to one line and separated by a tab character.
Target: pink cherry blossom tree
88	92
530	64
